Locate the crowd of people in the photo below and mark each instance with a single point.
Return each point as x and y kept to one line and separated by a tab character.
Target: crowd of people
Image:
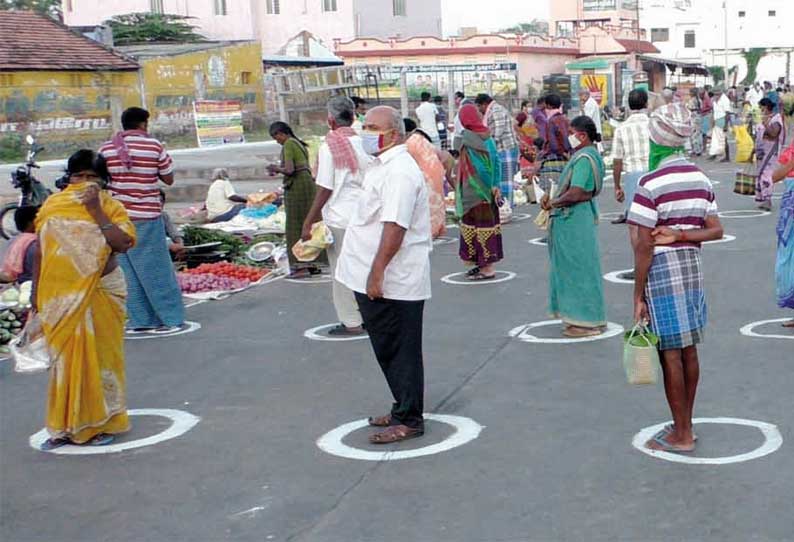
98	252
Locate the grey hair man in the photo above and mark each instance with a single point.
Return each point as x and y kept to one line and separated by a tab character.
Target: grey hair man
386	261
341	166
590	108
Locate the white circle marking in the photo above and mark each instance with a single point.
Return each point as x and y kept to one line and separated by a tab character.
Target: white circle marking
449	279
772	442
615	277
182	422
748	213
313	279
520	217
466	430
522	333
537	241
191	327
725	239
747	330
610	215
314	334
440	241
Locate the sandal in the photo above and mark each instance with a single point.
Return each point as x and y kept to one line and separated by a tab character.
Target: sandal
396	433
103	439
789	324
54	443
479	277
576	332
665	446
381	421
473	271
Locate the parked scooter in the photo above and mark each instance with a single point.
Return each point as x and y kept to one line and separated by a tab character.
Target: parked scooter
34	193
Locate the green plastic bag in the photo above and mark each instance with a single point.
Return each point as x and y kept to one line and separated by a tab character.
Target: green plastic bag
641	356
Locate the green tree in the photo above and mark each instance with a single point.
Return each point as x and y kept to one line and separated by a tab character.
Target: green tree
752	57
49	7
152	27
536	26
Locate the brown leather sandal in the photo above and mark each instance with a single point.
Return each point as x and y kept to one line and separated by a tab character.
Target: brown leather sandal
395	433
381	421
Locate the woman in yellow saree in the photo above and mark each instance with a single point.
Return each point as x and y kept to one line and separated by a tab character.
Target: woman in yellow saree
79	294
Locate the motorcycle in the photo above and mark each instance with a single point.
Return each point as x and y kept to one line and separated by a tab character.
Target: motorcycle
34	193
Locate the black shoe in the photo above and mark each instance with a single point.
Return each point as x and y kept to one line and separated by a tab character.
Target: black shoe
620	220
344	331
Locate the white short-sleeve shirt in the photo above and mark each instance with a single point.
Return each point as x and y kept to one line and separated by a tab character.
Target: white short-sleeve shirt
345	185
394	191
426	113
218	195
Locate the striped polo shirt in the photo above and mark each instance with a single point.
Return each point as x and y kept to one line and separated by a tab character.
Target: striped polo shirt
137	187
677	195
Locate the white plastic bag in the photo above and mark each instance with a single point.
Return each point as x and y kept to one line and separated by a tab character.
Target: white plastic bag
717	146
30	351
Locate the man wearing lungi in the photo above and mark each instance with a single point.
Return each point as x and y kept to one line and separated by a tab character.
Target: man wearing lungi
673	212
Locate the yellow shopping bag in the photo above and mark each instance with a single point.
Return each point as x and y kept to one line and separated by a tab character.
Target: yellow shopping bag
744	144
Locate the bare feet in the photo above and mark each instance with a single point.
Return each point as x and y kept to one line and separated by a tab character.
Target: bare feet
789	324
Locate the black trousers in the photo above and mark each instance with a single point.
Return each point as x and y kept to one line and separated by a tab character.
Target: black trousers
395	331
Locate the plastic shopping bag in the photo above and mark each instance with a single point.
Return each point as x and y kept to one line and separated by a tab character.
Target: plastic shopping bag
744	144
717	146
30	351
310	250
640	356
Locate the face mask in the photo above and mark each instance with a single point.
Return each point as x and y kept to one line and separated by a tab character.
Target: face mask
574	141
372	142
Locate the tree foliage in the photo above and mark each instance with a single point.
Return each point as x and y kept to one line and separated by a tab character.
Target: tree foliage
152	27
752	57
536	26
48	7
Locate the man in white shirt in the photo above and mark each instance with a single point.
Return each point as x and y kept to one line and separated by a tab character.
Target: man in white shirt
591	108
631	150
427	113
385	260
222	201
342	164
722	113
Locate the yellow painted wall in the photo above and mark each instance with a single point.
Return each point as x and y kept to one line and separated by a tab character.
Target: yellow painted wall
64	110
172	83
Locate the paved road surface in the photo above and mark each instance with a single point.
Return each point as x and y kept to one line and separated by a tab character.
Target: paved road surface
554	461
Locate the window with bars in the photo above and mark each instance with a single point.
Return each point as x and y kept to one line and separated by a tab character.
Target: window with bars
689	39
599	5
329	5
220	7
398	7
273	7
156	6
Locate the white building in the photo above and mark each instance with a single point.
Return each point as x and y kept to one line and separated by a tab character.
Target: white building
275	22
703	30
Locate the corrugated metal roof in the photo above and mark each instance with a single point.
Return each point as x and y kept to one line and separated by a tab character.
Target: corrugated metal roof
36	42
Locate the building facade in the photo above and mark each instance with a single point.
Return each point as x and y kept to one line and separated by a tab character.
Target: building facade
275	22
568	17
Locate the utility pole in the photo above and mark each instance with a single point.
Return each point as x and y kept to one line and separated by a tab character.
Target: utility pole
725	52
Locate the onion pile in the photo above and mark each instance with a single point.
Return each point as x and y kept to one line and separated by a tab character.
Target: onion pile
195	283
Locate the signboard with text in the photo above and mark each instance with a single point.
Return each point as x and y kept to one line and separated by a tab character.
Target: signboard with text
218	122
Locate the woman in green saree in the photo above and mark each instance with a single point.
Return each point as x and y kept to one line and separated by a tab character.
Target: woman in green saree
299	191
576	294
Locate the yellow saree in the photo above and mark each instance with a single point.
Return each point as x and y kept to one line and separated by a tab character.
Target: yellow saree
82	315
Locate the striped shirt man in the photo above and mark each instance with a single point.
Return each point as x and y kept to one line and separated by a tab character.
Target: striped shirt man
500	122
677	195
632	143
137	187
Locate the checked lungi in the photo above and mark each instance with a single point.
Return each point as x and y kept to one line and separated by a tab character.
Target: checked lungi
550	172
509	162
676	298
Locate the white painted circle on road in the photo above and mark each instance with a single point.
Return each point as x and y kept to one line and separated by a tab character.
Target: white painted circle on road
452	226
501	276
612	215
772	442
725	239
316	334
539	241
522	333
439	241
520	217
187	327
748	213
182	422
615	276
193	302
466	430
312	279
748	330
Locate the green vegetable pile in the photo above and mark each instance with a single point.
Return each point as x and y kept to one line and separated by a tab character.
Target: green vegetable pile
232	245
11	322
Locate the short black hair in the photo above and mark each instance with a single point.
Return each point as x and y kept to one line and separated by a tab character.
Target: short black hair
438	99
524	103
638	99
358	101
460	95
483	99
24	217
585	124
88	160
133	117
553	101
410	125
541	100
766	102
426	96
539	142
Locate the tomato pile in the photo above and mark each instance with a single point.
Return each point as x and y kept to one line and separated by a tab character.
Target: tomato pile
229	270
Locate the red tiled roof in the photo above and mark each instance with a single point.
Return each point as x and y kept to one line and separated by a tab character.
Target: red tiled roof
35	42
638	46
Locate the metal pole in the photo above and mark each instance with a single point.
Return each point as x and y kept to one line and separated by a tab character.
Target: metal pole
404	93
725	7
451	95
